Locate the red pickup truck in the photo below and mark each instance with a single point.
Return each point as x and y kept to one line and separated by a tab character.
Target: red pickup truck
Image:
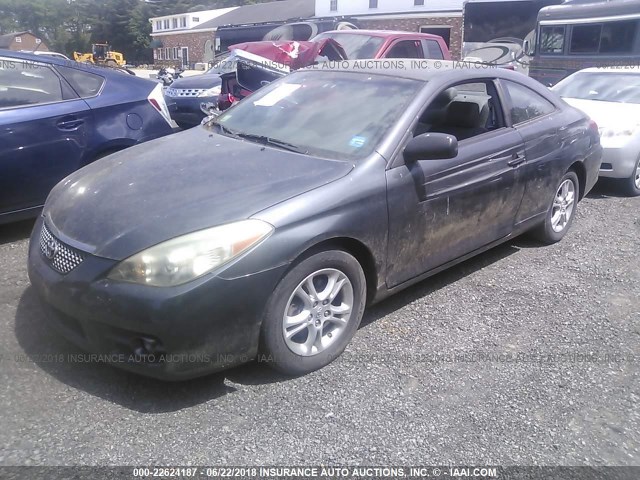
365	44
262	62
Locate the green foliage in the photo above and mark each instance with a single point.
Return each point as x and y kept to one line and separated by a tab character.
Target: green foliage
73	25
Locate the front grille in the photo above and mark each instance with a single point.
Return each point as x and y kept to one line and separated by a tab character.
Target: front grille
60	256
185	92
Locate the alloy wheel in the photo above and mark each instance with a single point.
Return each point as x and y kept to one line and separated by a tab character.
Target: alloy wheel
563	206
317	312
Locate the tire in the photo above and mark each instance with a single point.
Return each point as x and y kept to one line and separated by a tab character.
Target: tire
111	64
632	184
555	225
332	328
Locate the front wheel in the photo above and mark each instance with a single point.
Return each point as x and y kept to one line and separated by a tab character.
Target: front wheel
561	212
633	182
314	313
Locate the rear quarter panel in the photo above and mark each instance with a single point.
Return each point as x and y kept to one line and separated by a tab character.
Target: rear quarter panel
123	115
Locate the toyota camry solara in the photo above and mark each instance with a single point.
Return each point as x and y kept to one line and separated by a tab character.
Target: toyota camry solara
267	231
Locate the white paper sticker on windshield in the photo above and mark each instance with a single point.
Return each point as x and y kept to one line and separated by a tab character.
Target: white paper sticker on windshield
271	98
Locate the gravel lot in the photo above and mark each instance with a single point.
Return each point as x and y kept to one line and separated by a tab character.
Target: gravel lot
398	396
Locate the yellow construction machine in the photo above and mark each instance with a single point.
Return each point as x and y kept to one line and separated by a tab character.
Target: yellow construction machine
101	54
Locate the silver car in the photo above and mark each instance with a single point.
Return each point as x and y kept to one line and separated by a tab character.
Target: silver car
611	97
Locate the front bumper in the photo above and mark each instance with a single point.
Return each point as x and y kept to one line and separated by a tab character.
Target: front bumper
619	162
592	164
173	333
187	110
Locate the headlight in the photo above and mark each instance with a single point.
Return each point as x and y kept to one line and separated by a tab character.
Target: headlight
211	92
190	256
621	131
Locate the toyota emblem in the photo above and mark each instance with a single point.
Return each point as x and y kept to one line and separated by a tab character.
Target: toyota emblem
51	249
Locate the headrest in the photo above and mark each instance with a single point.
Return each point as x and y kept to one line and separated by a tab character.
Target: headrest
438	106
463	115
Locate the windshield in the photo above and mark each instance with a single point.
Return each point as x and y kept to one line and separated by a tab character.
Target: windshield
605	87
223	64
338	115
356	46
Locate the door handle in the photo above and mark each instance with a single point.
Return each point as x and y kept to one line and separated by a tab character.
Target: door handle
516	161
70	124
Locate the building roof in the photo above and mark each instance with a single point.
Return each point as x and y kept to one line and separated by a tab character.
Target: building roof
7	40
216	12
280	11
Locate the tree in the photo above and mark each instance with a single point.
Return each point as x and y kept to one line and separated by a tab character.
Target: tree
73	25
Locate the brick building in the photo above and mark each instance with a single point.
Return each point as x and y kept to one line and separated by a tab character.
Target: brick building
22	41
439	17
184	38
190	38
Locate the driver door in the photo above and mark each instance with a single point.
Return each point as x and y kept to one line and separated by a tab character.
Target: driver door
441	210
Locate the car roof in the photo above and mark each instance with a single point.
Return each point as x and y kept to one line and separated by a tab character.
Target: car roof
111	74
58	61
621	69
385	34
423	70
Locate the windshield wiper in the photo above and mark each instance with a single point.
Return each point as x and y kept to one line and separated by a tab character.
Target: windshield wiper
272	141
225	130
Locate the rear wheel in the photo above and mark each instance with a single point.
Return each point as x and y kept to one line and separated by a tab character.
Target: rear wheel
561	212
632	184
314	313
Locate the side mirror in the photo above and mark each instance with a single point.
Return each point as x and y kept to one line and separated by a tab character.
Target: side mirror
431	146
526	48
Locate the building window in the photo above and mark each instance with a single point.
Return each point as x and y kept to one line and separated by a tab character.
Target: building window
38	41
373	3
18	39
418	3
166	24
333	6
195	19
167	54
159	25
174	23
183	22
176	53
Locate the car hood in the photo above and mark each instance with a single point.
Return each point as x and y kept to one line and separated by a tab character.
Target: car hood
607	114
182	183
206	80
292	54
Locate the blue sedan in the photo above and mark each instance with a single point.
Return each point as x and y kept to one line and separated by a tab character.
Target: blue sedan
57	116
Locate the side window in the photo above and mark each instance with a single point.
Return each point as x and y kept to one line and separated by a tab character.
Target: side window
526	104
552	40
405	49
618	37
84	83
433	50
464	111
585	38
25	83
